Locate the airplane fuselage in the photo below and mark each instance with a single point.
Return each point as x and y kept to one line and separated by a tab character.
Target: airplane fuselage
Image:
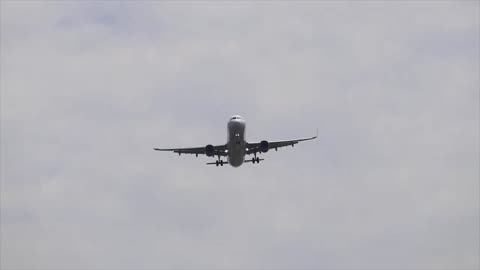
236	144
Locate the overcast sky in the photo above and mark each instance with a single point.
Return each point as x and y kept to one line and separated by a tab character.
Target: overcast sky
89	88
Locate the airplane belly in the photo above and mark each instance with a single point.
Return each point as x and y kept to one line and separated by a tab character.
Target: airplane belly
236	142
236	157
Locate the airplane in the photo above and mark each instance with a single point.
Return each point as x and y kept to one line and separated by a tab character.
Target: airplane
236	147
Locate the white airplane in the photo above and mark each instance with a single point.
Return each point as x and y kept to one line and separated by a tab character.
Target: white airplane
236	147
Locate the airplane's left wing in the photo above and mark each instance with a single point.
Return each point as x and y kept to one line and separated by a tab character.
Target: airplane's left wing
209	150
264	146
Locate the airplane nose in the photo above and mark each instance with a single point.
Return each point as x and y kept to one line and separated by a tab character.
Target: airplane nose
237	123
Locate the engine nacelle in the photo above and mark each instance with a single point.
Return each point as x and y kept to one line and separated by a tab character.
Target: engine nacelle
209	150
264	146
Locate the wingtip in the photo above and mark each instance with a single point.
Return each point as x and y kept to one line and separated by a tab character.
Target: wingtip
316	134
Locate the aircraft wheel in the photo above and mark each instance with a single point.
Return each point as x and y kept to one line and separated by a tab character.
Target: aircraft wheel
258	160
221	162
216	163
253	160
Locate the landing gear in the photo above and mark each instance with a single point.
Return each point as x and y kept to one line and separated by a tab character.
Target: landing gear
219	162
255	158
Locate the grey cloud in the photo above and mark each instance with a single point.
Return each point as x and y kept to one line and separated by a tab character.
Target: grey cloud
89	88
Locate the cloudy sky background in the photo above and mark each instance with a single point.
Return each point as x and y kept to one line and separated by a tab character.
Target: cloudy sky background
88	88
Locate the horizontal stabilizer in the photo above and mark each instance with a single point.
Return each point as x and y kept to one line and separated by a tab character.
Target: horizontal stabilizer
249	160
218	163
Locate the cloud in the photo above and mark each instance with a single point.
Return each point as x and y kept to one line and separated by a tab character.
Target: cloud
89	88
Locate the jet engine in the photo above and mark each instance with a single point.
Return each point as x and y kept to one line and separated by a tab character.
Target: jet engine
264	146
209	150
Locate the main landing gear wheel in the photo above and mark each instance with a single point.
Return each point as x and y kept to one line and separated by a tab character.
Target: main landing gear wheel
258	160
